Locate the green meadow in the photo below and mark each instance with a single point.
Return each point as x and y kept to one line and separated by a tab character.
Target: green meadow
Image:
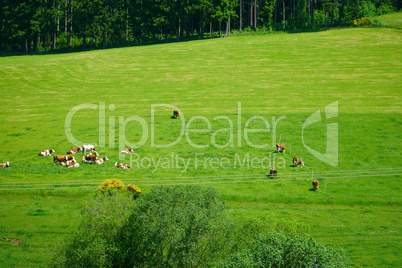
393	20
225	88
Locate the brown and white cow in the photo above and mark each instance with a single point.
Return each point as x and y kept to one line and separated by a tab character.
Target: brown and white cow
70	164
62	158
297	162
4	165
73	164
88	147
122	166
273	172
127	151
315	185
101	160
89	157
74	150
46	152
176	113
280	147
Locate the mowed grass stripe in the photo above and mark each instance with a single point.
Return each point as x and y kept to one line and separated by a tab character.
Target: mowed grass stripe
271	66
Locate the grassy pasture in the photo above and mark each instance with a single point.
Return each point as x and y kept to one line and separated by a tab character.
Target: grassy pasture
288	76
393	20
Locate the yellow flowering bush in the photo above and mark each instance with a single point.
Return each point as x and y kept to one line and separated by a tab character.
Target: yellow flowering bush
110	185
135	190
365	21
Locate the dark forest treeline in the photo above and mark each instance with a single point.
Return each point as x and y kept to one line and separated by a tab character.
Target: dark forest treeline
37	25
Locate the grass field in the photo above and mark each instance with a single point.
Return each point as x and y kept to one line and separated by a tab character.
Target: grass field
284	78
393	20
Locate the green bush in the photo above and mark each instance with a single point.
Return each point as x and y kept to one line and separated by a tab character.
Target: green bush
93	245
385	9
170	227
367	9
185	226
178	226
278	250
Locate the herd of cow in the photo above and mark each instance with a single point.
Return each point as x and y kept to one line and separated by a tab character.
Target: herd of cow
69	160
280	147
92	157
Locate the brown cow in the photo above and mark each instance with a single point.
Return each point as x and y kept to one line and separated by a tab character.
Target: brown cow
89	158
46	152
127	151
280	147
273	172
62	158
101	160
122	166
74	150
297	162
4	165
315	185
176	113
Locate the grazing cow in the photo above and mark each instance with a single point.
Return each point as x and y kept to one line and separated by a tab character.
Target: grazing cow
297	162
273	172
101	160
46	152
62	158
176	113
89	157
4	165
122	166
315	184
74	150
127	151
280	147
88	147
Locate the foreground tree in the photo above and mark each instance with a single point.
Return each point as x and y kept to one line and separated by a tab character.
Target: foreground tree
185	226
174	227
168	227
278	250
93	244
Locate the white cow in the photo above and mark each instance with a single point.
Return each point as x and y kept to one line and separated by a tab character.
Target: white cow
46	152
88	147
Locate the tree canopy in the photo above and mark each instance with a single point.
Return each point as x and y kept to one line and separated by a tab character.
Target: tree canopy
185	226
49	24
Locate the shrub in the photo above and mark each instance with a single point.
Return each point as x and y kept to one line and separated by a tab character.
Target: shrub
385	9
278	250
110	186
367	9
135	190
115	231
183	226
361	22
93	244
187	222
247	29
